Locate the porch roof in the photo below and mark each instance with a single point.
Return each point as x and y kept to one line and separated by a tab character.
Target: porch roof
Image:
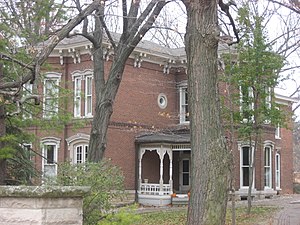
163	137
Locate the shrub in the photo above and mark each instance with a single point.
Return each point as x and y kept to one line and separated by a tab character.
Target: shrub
105	180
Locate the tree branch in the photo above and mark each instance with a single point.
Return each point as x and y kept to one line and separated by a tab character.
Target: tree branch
11	59
51	43
287	6
225	8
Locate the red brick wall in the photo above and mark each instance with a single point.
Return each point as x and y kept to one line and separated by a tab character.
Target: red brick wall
136	106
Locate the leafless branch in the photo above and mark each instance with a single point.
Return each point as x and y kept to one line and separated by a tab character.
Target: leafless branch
225	8
294	9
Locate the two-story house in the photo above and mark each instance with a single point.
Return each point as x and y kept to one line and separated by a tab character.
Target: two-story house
148	135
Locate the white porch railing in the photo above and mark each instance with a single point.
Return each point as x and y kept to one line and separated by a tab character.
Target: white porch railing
154	189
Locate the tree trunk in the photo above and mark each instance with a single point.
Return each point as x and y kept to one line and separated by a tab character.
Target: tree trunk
2	133
134	29
210	180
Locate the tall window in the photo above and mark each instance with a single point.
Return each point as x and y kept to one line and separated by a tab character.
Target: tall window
88	96
246	103
77	96
184	110
83	93
245	164
51	83
277	170
267	167
50	148
278	132
80	153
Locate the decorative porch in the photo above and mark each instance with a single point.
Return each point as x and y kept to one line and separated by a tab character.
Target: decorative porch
153	193
158	173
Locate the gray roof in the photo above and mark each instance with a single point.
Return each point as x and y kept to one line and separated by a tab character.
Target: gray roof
163	138
148	46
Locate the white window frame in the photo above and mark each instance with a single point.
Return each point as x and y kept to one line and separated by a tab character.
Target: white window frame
278	132
79	139
55	79
84	97
50	141
88	97
268	167
77	96
240	147
268	101
82	154
277	170
183	105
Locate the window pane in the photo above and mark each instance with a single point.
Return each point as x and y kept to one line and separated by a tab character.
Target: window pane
89	105
185	179
79	154
267	156
245	176
185	166
89	85
86	153
267	177
50	154
246	156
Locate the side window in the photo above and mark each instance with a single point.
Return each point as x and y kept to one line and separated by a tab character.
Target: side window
78	147
88	96
83	93
183	105
51	91
77	96
50	148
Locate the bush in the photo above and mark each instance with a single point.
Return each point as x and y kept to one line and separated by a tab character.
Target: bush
125	216
102	177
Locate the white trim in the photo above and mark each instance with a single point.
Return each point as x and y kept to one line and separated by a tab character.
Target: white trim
277	171
284	100
162	101
88	97
55	78
82	73
241	145
74	141
183	104
268	165
50	141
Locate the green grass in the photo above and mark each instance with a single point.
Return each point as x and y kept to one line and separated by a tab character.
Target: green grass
259	215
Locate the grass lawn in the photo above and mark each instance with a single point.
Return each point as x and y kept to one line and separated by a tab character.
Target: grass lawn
259	215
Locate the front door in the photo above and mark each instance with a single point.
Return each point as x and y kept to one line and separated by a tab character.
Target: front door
184	180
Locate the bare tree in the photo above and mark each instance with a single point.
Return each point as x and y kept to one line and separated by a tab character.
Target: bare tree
134	27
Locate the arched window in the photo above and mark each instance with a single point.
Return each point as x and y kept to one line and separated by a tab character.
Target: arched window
78	147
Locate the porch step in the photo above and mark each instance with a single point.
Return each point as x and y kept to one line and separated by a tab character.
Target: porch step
180	199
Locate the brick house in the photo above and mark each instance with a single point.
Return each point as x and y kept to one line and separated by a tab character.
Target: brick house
148	136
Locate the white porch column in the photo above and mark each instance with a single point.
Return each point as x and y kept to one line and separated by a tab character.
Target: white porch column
169	151
141	153
161	152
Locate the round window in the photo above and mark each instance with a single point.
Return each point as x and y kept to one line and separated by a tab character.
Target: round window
162	101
